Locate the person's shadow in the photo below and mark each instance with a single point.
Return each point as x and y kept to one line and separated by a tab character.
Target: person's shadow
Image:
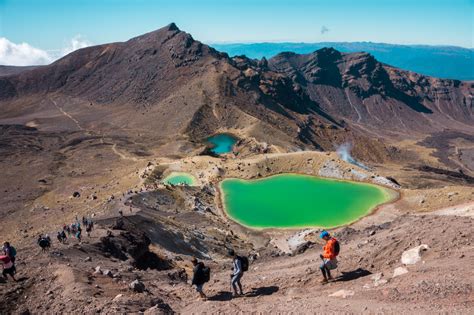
352	275
3	280
227	296
262	291
221	296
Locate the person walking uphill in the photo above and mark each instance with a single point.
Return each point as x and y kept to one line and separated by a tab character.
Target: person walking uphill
9	251
8	267
240	265
330	252
201	275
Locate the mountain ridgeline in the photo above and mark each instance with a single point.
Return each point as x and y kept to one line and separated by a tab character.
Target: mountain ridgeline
167	81
449	62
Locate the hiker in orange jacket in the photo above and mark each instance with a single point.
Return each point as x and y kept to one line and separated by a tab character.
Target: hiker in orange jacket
330	252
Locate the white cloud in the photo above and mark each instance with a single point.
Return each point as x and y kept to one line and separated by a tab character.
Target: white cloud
24	54
77	42
21	54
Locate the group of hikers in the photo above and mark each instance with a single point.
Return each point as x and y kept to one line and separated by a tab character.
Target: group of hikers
75	229
8	253
7	258
240	264
68	231
201	272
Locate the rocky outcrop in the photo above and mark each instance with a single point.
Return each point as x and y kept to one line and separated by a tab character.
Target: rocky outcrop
133	246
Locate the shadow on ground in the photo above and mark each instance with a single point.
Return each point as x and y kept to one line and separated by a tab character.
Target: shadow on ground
352	275
227	296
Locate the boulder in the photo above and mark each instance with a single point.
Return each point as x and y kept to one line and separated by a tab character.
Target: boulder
107	273
97	270
413	255
179	275
137	286
301	248
378	279
399	271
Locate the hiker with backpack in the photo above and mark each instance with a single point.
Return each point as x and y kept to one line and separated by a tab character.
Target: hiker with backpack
44	242
9	251
240	265
8	267
89	226
201	275
330	252
79	232
63	236
60	237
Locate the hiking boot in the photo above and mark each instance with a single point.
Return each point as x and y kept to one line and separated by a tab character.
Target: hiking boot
324	281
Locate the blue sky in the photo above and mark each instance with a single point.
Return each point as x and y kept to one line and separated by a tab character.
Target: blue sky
51	24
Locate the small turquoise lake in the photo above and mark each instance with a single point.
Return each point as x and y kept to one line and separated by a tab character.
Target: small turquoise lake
222	143
180	178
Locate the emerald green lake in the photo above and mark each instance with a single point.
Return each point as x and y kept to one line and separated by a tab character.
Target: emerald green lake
295	201
222	143
180	178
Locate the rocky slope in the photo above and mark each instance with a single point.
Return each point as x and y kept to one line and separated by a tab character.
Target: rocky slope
98	276
359	89
165	78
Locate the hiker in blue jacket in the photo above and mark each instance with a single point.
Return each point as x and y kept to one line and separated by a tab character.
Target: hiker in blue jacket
237	273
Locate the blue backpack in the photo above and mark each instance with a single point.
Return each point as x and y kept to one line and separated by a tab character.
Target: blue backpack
12	251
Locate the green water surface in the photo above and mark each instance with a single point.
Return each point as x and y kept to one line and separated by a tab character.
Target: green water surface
180	178
222	143
295	201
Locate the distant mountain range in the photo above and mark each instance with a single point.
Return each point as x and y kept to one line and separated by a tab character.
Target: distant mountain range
448	62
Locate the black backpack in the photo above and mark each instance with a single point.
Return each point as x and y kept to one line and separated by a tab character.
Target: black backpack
206	274
337	247
244	262
44	242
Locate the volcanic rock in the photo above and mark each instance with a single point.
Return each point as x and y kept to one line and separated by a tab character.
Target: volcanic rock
413	255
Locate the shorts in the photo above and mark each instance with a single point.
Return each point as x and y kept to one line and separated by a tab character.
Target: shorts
199	287
329	264
10	271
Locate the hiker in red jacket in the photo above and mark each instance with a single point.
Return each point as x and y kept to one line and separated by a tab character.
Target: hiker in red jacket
8	267
330	252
